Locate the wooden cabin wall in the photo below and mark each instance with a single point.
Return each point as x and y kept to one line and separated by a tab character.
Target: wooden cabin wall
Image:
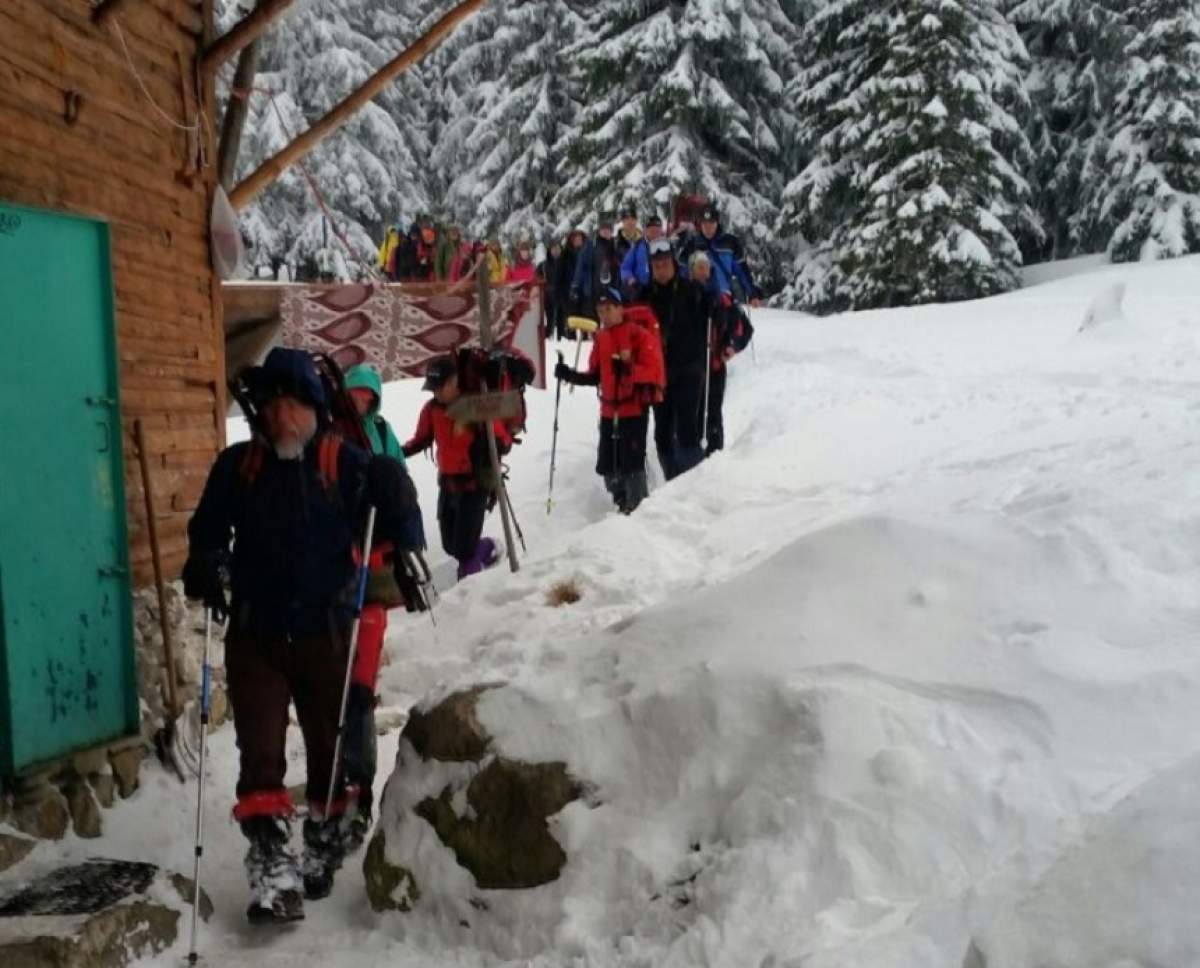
122	162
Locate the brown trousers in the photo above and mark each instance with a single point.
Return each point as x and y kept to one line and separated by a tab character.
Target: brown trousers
264	674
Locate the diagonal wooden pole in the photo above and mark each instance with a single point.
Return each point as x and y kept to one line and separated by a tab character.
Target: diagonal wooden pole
242	34
273	167
486	340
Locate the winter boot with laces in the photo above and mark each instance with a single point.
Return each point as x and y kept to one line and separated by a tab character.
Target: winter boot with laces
273	872
324	851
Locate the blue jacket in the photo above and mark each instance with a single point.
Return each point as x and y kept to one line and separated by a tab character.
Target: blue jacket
635	267
728	260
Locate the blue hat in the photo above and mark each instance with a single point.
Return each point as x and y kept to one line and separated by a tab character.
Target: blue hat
610	294
289	373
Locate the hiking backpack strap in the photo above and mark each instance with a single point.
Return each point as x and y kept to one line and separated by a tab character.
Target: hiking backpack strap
381	428
328	449
252	462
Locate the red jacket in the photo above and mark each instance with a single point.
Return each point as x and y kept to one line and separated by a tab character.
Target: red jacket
627	391
461	449
522	272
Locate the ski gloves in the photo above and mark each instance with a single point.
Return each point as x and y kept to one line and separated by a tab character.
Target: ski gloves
205	577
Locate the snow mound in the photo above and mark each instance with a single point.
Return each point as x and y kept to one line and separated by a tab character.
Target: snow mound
1124	897
887	711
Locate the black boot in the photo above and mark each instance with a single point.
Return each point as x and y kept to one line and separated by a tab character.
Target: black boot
324	851
635	491
273	872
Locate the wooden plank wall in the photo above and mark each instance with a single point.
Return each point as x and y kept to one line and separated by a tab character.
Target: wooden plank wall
121	161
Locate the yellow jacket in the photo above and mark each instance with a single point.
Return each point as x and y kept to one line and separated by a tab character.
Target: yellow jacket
387	247
497	267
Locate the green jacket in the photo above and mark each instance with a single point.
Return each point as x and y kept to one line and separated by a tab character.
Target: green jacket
378	430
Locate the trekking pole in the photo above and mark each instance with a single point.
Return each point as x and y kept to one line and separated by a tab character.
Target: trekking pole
554	441
205	705
358	607
708	366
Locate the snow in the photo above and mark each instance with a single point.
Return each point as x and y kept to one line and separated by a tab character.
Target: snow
908	671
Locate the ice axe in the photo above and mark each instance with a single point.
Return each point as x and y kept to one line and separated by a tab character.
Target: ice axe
580	324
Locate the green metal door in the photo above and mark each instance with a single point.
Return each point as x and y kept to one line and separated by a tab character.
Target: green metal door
67	676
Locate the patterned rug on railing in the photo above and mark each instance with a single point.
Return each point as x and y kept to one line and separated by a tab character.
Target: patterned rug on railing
399	329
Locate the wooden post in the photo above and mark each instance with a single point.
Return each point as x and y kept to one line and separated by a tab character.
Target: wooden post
105	9
152	529
273	167
242	34
235	115
485	340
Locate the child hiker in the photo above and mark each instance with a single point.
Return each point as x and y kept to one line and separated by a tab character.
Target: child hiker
464	493
627	365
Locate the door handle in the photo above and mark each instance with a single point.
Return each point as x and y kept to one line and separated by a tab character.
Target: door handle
100	401
107	437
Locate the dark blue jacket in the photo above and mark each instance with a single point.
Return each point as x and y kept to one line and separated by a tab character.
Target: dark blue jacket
728	260
293	535
596	268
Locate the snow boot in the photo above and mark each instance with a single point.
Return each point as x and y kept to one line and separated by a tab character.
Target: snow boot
357	828
273	872
486	554
636	489
324	851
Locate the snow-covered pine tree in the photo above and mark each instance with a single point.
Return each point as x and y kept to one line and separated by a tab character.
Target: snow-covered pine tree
1151	188
1074	47
368	172
509	95
914	192
683	96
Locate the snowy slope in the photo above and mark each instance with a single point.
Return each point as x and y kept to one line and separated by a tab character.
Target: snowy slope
910	667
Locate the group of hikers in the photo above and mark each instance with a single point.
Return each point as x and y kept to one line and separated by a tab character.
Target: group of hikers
426	253
671	315
313	525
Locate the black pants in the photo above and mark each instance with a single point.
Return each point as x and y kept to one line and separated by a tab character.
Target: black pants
677	421
461	514
556	319
621	458
361	754
716	422
264	674
622	448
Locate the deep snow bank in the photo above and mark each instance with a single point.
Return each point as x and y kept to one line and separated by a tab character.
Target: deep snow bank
869	724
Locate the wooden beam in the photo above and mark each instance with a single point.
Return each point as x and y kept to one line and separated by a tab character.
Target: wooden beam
235	115
105	9
242	34
273	167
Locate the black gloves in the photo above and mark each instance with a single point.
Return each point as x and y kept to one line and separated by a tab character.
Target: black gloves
563	372
205	575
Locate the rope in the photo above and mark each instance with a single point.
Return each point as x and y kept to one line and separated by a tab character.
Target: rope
191	128
319	197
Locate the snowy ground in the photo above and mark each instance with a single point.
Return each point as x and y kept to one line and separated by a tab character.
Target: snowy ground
917	654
